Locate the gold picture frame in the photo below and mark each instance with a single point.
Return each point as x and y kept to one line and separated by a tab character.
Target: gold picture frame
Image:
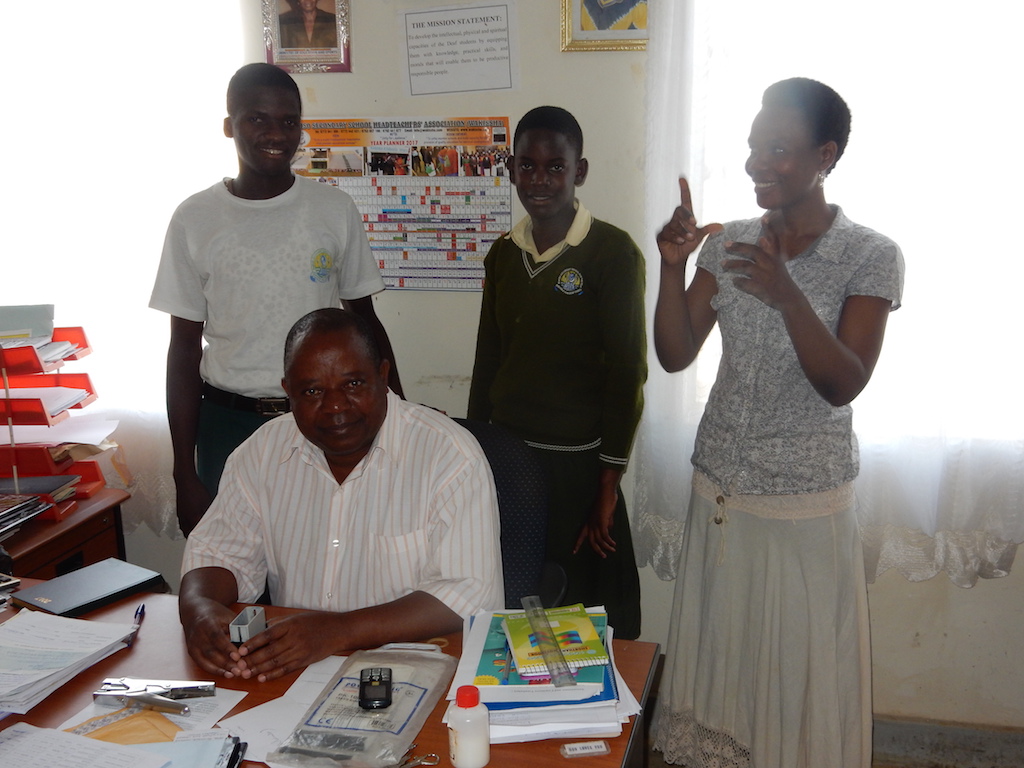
601	17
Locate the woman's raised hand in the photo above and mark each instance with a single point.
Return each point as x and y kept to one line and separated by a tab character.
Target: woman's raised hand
761	271
681	236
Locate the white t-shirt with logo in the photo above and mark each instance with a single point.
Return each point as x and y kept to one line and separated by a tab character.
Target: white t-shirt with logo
249	269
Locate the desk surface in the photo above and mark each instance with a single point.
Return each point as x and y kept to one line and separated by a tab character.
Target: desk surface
159	649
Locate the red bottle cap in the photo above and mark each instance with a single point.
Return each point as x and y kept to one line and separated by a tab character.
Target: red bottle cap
467	696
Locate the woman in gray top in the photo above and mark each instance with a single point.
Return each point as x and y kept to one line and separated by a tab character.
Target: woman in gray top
768	662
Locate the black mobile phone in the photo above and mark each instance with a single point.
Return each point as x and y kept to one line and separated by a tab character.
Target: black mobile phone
375	688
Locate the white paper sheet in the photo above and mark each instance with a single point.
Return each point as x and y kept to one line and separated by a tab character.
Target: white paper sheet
205	711
26	746
266	726
91	429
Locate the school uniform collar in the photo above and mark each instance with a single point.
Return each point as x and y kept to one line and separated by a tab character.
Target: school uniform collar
522	234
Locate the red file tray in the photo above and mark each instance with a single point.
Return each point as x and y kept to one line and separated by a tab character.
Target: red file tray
31	411
92	478
20	361
33	459
77	337
59	511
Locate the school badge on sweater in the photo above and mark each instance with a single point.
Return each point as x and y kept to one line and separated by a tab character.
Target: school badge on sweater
570	282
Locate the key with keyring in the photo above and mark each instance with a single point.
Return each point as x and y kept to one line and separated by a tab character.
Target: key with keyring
430	759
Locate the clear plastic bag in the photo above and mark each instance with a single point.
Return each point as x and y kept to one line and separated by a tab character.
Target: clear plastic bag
336	731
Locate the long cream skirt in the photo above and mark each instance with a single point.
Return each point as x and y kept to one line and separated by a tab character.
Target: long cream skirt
768	659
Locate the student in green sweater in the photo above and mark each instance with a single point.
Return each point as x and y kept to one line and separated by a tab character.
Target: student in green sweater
561	359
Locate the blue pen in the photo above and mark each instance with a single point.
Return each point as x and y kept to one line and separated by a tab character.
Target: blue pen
140	614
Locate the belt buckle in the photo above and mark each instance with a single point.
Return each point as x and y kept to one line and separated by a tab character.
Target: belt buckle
271	406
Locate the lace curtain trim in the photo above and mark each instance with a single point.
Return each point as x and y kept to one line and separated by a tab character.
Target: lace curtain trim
965	556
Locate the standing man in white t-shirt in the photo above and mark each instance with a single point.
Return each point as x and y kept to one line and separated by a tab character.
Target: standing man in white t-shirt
242	261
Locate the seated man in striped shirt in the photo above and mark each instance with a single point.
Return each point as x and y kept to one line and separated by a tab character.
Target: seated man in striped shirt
376	515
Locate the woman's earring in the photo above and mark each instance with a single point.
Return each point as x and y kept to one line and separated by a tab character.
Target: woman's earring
821	178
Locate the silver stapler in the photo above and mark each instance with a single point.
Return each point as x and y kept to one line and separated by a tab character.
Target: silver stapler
150	693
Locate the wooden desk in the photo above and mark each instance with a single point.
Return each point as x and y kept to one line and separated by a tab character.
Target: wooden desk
44	549
159	650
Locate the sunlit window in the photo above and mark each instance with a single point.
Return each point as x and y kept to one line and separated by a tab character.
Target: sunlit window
113	117
932	164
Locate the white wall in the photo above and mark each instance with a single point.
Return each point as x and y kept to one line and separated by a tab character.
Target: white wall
434	333
945	653
940	652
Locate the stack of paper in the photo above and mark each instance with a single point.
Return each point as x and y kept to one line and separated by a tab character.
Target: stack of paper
20	337
26	746
54	399
48	351
522	709
40	652
81	428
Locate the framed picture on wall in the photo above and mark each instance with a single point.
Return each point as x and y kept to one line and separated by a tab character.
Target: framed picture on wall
604	25
307	35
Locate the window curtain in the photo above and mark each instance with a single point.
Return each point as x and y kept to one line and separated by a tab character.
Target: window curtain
116	118
941	424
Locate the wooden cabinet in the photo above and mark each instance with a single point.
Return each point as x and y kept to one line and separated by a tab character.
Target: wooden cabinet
43	549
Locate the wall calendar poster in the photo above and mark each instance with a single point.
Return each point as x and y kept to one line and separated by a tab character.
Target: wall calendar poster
434	193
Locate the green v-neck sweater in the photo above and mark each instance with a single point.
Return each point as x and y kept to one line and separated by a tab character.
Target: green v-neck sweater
561	354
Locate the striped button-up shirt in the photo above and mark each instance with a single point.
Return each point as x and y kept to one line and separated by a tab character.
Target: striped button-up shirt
418	513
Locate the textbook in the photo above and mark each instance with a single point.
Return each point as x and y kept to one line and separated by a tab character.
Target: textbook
90	587
53	488
528	710
483	663
492	668
573	630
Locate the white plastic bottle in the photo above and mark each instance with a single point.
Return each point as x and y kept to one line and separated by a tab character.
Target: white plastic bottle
469	736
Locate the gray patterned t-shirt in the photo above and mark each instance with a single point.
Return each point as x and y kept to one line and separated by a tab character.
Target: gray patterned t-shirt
765	430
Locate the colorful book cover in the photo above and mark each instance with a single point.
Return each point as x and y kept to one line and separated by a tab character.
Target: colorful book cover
574	632
495	667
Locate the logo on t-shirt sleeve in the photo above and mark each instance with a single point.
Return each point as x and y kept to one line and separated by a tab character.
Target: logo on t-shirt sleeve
320	266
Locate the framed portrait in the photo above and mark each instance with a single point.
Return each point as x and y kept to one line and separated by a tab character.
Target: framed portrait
604	25
307	35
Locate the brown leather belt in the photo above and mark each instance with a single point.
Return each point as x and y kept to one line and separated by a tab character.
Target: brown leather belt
264	406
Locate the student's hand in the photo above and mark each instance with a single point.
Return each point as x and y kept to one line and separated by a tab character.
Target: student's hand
191	500
288	644
681	236
761	271
597	531
208	638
